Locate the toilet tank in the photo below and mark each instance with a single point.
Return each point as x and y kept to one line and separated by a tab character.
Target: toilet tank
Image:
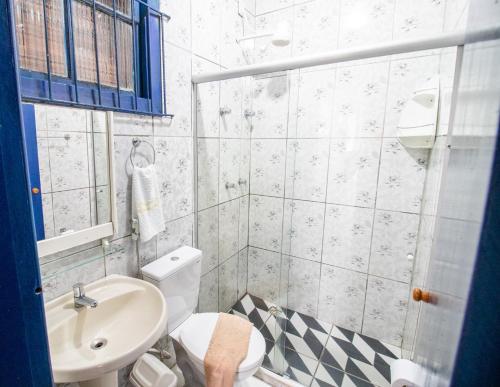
177	275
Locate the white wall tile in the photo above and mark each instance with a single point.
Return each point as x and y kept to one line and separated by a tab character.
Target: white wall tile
178	28
263	6
353	172
68	157
244	178
229	169
228	283
360	97
231	54
209	292
418	19
71	210
303	286
174	165
385	311
48	216
267	170
42	143
243	222
208	238
365	22
455	15
98	159
66	119
208	172
265	221
147	251
342	297
303	229
270	103
231	97
347	238
394	238
264	274
228	229
306	170
132	125
242	272
177	233
121	258
206	28
207	109
314	104
401	178
316	26
178	94
249	5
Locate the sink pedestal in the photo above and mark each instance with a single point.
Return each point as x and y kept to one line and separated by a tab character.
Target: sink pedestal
107	380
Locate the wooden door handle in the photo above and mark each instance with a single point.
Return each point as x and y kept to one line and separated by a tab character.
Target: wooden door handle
421	295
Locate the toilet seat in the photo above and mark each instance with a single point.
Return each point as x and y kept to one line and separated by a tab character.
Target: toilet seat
197	333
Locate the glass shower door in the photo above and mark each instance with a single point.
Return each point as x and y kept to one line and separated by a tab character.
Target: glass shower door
267	262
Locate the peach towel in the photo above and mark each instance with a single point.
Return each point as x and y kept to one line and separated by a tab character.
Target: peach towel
227	349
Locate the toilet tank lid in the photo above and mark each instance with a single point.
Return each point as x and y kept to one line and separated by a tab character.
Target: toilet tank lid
170	263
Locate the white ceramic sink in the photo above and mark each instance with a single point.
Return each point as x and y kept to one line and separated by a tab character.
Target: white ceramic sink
130	317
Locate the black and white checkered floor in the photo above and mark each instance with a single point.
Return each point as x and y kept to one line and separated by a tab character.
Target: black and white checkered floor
315	353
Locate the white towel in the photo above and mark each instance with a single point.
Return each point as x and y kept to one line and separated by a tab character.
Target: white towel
146	203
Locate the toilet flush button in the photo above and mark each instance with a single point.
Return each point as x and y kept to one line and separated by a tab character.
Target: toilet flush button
174	258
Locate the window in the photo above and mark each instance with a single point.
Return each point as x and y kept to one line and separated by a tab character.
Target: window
101	53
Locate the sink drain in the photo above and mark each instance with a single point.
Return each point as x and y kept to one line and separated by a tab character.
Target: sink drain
98	343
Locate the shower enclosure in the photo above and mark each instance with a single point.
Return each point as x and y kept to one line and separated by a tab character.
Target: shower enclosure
314	221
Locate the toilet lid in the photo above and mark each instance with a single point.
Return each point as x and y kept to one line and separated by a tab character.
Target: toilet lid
195	338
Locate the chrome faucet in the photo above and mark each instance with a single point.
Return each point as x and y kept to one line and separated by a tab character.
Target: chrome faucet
81	300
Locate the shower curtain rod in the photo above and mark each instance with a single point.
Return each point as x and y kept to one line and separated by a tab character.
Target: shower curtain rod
398	47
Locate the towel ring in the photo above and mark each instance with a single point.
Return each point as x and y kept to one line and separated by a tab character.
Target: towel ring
135	144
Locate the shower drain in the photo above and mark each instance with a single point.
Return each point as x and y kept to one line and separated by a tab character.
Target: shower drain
98	343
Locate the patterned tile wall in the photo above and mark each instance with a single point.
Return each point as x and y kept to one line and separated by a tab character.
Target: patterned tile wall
333	195
224	150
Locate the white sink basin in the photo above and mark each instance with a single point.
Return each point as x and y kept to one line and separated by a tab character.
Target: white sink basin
92	344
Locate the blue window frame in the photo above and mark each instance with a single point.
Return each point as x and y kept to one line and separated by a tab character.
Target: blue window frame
146	92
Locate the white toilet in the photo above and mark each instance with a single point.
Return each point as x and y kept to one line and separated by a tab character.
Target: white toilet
177	275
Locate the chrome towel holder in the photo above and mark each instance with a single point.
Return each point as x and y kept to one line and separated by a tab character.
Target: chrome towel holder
135	144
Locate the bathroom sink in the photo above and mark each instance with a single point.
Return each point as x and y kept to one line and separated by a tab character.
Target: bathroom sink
91	344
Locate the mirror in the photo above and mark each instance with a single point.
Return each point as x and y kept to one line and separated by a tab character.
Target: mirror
69	165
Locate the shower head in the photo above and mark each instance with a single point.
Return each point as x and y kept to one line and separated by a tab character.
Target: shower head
282	35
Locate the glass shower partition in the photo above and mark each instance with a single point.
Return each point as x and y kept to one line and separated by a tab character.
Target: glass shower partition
240	149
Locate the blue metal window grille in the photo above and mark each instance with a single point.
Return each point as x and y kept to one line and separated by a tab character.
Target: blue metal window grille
54	73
